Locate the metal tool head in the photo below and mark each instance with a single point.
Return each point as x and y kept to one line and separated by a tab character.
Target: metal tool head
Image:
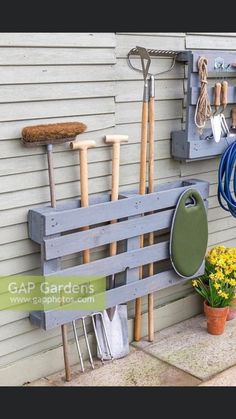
114	331
144	55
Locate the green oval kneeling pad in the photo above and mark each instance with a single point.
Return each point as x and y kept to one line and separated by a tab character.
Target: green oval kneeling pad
189	234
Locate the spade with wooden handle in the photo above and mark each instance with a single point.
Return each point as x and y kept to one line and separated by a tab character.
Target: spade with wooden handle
115	318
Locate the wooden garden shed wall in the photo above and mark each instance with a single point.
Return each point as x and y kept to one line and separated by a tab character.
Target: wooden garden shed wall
50	77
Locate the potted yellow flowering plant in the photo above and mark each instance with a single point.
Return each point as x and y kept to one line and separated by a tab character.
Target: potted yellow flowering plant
218	286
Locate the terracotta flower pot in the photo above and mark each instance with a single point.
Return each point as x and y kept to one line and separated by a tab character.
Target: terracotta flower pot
216	318
232	311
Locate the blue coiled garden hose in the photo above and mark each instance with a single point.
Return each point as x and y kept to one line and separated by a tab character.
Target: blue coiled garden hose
226	173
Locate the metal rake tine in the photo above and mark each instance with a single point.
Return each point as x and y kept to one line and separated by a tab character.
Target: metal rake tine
106	336
87	342
97	339
78	346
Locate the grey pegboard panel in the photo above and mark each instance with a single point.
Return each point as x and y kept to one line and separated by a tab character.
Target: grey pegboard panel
189	144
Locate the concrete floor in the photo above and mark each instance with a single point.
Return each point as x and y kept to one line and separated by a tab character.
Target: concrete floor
181	355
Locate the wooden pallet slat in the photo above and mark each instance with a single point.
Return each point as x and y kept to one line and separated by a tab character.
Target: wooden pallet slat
57	232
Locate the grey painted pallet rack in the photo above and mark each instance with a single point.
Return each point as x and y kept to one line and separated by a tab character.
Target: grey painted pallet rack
189	144
137	214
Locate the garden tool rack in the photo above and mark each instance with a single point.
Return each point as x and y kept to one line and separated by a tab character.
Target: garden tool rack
190	143
56	230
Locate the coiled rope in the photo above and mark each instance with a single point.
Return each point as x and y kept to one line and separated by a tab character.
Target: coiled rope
203	110
226	172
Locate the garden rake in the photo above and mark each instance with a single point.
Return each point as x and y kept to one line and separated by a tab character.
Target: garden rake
147	130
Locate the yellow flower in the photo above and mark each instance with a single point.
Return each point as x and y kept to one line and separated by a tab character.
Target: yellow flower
216	285
219	275
194	283
223	294
232	282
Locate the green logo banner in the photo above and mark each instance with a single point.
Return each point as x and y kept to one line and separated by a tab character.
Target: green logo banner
30	293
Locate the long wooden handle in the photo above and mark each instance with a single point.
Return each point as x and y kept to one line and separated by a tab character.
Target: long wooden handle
84	196
142	190
53	205
115	185
217	95
143	149
233	116
224	99
150	190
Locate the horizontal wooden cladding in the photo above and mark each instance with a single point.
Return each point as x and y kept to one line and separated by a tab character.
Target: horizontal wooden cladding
120	262
50	39
76	242
56	56
197	167
40	195
225	224
124	73
56	74
19	264
16	215
132	91
13	129
222	236
99	160
16	249
14	147
55	91
125	43
55	109
12	233
58	221
211	42
165	110
64	175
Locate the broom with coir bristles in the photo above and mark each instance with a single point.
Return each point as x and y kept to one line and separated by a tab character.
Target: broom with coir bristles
48	135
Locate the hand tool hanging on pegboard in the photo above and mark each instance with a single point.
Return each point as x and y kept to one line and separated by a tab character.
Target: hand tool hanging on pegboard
147	137
50	134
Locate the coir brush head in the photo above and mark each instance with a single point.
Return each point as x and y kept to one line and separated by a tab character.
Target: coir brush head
51	133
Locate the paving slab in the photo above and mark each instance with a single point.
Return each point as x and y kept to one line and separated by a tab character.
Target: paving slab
189	347
136	369
224	379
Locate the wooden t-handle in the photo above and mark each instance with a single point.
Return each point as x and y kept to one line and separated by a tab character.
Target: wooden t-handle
233	116
224	99
82	145
217	95
116	138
